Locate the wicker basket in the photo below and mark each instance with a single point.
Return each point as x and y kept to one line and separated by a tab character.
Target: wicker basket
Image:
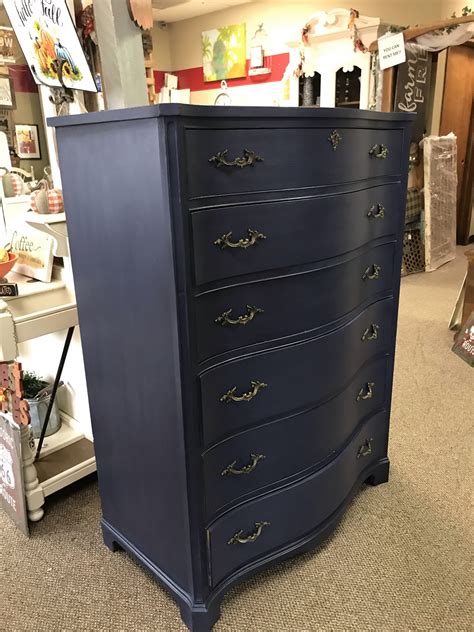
413	252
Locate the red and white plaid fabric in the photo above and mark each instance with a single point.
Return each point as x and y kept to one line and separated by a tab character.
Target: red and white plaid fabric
17	183
55	201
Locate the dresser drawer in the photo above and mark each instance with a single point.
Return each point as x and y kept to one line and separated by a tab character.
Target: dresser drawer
240	240
282	517
286	158
254	312
261	456
275	383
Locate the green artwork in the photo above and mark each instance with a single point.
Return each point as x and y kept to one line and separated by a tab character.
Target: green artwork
224	53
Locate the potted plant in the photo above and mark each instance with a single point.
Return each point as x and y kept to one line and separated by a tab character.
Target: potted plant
38	393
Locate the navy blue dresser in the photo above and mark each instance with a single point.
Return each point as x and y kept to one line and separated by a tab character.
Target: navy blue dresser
237	274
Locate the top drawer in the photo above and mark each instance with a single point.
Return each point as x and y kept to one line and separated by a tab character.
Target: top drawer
222	162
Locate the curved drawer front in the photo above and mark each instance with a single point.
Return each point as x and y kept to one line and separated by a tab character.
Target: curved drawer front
241	161
265	455
270	309
244	239
282	517
274	383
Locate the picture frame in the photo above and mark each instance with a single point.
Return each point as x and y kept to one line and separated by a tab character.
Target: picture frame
6	125
27	141
7	93
256	57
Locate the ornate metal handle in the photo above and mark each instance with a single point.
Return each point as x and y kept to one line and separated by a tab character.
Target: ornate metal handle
230	396
379	151
365	449
237	537
230	469
247	160
334	138
377	211
225	319
371	333
366	392
251	240
372	272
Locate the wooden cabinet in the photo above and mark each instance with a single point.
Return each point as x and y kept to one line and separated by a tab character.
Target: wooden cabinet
237	276
456	116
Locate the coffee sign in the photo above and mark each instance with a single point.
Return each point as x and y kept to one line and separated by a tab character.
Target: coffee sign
34	251
413	85
48	39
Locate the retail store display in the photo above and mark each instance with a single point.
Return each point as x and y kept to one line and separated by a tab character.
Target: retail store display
440	177
238	321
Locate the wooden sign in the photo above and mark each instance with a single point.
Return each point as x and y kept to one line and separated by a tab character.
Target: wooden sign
413	85
6	45
12	496
14	413
34	251
464	345
48	38
141	13
11	393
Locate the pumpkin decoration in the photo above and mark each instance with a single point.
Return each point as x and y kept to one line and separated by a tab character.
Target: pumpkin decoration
13	184
47	200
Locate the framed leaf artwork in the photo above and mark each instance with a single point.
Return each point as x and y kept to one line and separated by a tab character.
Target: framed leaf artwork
224	53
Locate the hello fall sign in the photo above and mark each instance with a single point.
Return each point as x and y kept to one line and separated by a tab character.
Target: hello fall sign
48	39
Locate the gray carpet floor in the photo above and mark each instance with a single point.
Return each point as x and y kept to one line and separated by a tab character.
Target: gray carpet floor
401	558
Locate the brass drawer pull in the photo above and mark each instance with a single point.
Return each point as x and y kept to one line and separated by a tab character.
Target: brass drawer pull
230	396
377	211
371	333
225	319
251	240
238	539
230	469
372	272
365	449
334	138
247	160
379	151
366	392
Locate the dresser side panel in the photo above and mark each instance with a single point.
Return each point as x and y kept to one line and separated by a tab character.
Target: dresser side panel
116	197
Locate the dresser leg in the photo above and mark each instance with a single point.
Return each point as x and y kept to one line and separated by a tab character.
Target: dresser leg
199	618
109	541
380	474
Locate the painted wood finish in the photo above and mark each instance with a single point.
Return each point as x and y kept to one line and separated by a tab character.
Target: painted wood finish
292	403
290	232
294	159
290	304
292	512
292	374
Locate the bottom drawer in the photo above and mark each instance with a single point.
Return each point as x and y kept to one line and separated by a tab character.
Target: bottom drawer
272	521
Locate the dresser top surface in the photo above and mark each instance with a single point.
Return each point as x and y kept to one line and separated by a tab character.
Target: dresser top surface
227	112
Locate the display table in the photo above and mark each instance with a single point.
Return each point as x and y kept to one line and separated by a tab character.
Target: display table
66	456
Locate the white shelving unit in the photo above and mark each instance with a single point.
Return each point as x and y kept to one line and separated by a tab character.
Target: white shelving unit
38	310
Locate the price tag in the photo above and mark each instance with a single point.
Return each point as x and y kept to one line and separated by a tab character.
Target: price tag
392	51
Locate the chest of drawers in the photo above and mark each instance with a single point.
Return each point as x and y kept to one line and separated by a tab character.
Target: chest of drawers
237	273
